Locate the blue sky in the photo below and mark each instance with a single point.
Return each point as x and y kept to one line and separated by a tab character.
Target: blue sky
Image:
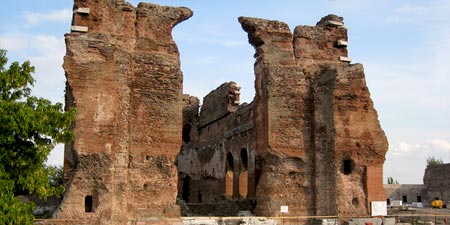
404	46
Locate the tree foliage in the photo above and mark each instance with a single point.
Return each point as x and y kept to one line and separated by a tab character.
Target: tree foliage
30	127
55	175
390	180
432	161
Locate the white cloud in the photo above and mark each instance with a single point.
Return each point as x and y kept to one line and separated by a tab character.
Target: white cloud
13	42
402	149
406	161
50	79
56	156
45	52
439	144
23	42
33	18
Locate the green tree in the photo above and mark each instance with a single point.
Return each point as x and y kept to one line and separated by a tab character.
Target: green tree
432	161
55	175
30	127
390	180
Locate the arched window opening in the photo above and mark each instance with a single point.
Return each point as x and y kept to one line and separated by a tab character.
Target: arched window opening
229	176
348	166
244	158
230	161
243	174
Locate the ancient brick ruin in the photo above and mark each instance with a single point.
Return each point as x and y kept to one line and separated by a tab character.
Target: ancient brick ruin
310	140
123	76
437	180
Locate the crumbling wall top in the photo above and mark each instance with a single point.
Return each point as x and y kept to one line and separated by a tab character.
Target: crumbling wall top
324	43
271	39
218	103
121	20
331	19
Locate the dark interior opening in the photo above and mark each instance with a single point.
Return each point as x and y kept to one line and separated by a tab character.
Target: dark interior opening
244	158
230	161
419	198
186	189
186	135
199	196
405	199
88	206
347	166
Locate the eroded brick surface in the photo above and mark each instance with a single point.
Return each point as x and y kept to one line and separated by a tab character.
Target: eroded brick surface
124	78
310	140
315	126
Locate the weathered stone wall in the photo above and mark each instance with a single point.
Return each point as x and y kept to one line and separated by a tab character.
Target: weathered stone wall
123	76
219	103
311	139
280	123
324	43
437	181
218	163
412	193
315	126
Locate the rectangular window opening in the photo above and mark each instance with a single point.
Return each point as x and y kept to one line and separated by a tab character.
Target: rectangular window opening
404	199
88	204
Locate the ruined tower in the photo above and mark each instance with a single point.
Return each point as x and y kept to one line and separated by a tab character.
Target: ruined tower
124	78
316	130
311	143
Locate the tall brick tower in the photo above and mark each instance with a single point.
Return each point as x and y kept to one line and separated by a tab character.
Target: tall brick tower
123	76
316	130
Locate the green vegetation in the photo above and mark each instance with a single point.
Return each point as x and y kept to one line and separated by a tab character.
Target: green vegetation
391	180
433	162
30	127
55	175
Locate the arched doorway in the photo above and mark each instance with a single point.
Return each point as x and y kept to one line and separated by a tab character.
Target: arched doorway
229	167
243	174
244	158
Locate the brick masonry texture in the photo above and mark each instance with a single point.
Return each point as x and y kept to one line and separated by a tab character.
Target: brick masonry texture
310	140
